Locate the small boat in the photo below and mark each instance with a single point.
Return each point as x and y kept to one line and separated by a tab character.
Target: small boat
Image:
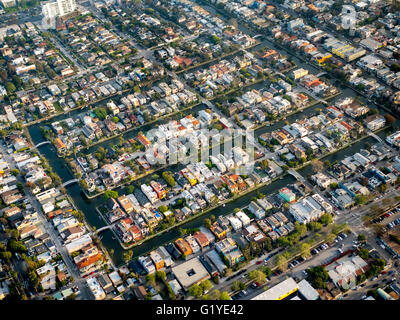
223	205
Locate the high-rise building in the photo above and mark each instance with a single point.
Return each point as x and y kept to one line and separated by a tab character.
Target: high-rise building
52	10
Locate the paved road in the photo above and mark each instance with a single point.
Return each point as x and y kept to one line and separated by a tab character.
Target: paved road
360	291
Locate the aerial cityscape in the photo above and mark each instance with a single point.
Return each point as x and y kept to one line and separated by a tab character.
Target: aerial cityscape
199	150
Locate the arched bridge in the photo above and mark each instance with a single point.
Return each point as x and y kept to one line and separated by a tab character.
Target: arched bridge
69	182
104	228
41	144
297	175
375	136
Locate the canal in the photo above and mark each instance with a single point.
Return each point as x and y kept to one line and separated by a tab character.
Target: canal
107	237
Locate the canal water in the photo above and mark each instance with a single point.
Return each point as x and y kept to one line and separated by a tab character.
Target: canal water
88	206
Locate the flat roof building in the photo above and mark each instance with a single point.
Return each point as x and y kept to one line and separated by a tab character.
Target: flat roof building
280	291
190	273
307	291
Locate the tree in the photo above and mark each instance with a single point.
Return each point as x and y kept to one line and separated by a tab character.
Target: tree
100	113
382	188
376	267
182	231
163	208
266	270
10	87
305	250
151	279
17	81
128	256
161	275
228	272
330	237
315	226
361	237
206	285
334	185
301	228
318	277
268	244
78	215
284	241
215	39
16	246
215	294
236	285
6	256
207	223
363	253
110	194
130	189
264	164
360	199
375	210
281	262
196	291
317	165
224	296
215	279
168	177
257	276
3	75
326	219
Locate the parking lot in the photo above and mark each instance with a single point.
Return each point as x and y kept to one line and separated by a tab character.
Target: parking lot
322	254
389	217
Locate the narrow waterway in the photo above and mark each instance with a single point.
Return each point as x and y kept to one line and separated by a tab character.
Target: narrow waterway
88	206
